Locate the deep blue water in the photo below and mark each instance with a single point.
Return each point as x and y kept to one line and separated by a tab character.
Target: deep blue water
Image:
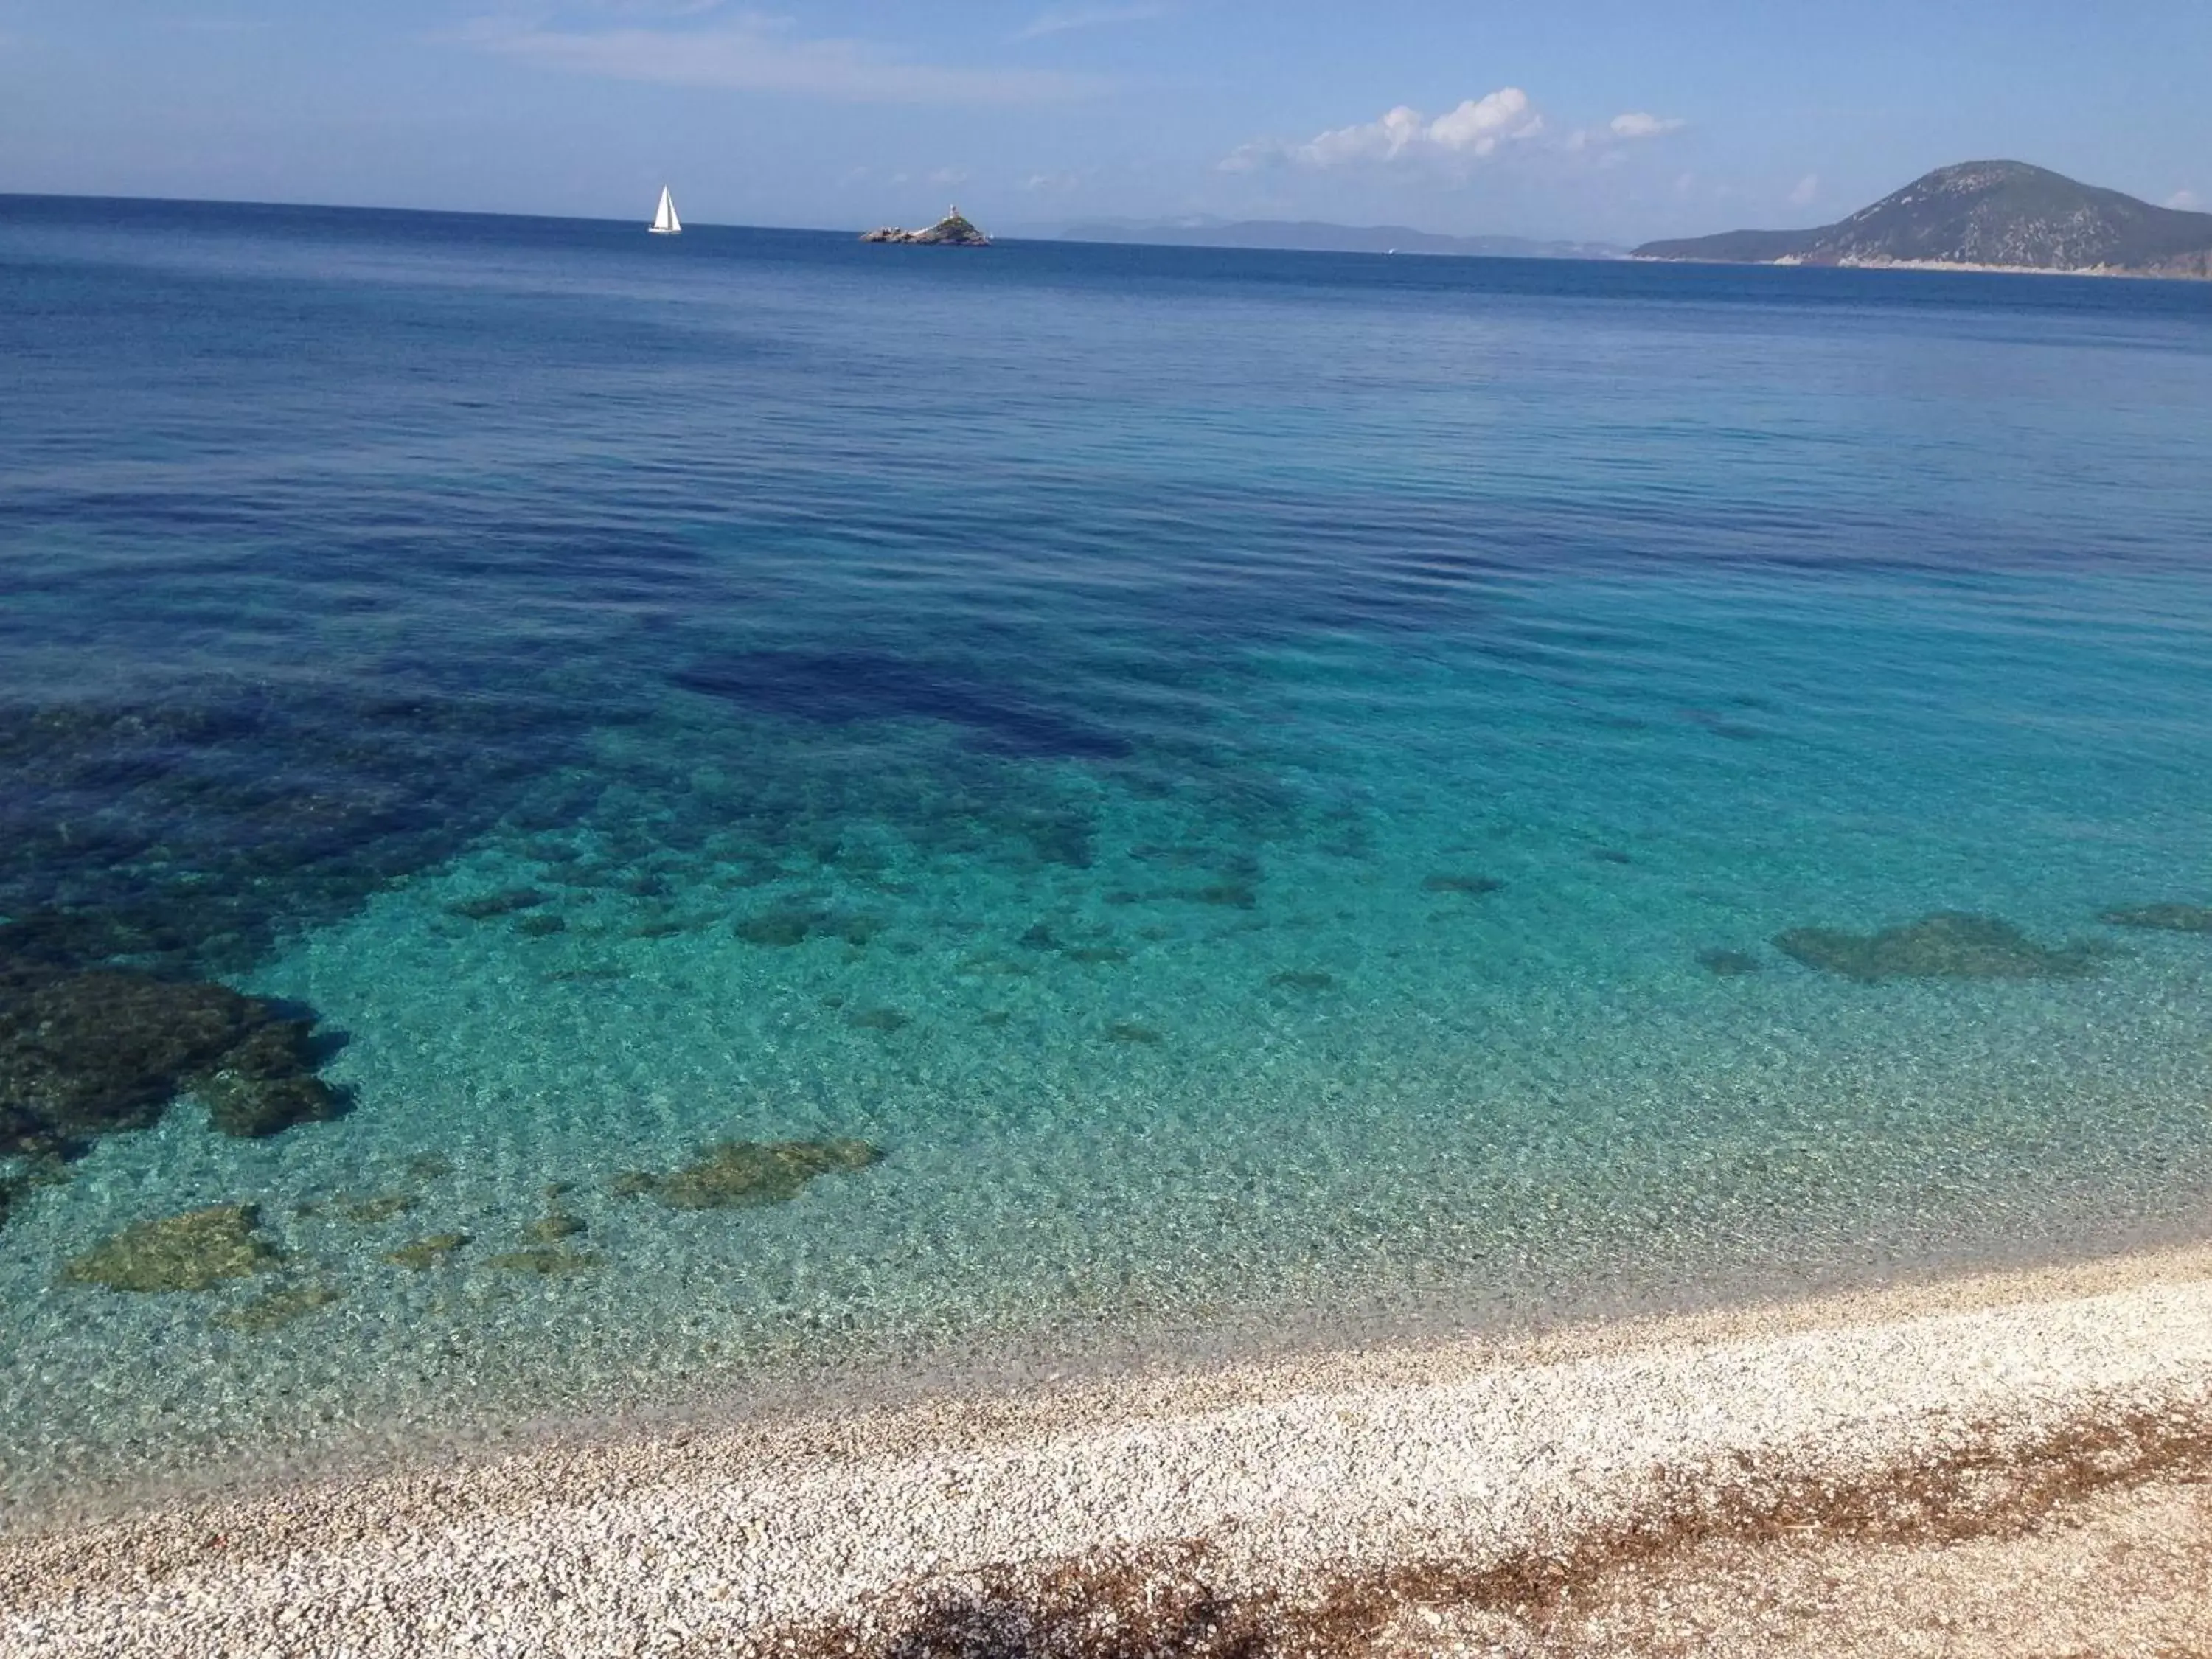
1266	784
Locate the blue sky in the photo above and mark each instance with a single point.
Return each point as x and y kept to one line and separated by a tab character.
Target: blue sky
1611	119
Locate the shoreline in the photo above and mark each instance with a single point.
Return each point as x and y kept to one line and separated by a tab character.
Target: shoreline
1219	1352
1295	1493
2119	272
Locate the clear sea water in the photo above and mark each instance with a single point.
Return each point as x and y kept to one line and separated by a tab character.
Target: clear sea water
1222	765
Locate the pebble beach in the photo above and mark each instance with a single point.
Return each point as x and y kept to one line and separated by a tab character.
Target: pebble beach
1474	1496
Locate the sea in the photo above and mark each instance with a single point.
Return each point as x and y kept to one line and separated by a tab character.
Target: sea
853	817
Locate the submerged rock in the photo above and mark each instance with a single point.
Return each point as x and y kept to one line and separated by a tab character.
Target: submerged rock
424	1253
855	930
1229	895
376	1210
1001	967
788	925
252	1104
486	906
1063	836
1728	964
188	1252
279	1308
556	1224
2169	918
549	1261
844	687
32	1174
191	838
87	1053
1466	886
742	1173
879	1020
778	928
1948	944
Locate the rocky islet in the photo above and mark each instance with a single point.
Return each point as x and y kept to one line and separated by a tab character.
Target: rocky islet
955	229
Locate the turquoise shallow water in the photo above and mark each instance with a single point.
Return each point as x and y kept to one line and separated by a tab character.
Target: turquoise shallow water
1266	785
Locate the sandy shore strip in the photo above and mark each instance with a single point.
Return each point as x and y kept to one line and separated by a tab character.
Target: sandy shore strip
1459	1496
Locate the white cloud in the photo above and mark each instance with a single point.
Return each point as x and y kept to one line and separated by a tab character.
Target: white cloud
948	176
1641	123
1475	130
1806	190
2187	200
752	53
1053	182
1605	146
1479	124
1066	20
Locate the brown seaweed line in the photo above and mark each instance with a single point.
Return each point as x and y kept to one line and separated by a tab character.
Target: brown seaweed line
1168	1602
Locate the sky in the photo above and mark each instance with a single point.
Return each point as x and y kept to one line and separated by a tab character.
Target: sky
1595	119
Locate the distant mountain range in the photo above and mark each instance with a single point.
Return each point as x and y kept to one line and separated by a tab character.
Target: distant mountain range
1981	215
1312	236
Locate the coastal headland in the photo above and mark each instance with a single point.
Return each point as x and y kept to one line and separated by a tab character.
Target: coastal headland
1981	216
2009	1463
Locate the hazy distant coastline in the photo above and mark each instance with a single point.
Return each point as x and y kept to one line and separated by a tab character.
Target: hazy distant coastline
1318	236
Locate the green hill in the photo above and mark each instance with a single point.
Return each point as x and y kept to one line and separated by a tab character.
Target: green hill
1981	212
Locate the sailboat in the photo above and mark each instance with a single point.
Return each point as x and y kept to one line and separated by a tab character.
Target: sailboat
664	222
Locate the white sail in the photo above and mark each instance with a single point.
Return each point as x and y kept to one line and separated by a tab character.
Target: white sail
664	222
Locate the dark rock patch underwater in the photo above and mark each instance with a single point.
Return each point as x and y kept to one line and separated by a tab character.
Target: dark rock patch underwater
787	925
279	1308
189	837
1727	965
148	847
2168	918
743	1174
1465	886
87	1051
1948	944
194	1251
